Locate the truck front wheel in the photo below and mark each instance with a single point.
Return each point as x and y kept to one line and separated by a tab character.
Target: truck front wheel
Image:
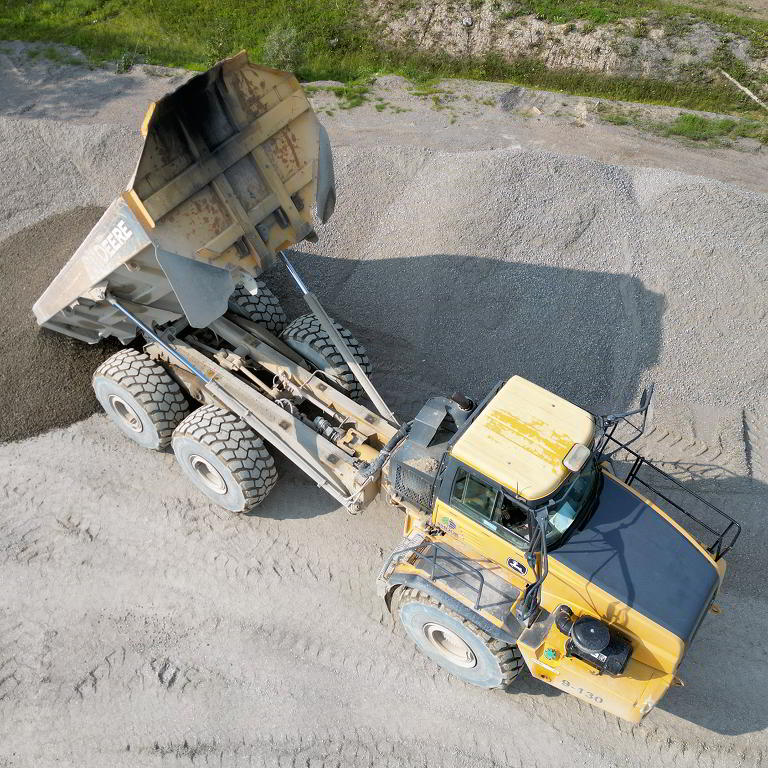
455	643
224	458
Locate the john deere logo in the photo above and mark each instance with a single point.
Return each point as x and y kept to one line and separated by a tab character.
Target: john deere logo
516	565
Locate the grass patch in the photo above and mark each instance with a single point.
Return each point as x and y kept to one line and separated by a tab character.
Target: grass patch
700	128
54	54
195	33
708	97
430	90
688	126
350	95
323	40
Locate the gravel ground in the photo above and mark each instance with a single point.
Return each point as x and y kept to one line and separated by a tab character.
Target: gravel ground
141	626
45	377
592	280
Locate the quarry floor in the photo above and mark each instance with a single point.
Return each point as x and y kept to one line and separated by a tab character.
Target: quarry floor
141	626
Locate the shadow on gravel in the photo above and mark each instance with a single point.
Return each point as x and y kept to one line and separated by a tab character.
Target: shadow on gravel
724	670
281	503
446	322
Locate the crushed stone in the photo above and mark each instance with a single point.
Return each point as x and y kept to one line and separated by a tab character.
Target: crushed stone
45	377
459	269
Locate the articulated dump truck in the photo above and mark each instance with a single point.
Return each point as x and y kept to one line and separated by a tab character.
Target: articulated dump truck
534	534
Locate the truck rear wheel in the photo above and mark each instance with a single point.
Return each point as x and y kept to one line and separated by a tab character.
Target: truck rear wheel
456	644
306	336
224	458
263	307
141	397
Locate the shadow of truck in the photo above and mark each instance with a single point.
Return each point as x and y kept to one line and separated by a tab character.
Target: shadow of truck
444	322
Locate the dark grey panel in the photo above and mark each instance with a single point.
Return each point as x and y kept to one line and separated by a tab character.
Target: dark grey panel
634	554
202	290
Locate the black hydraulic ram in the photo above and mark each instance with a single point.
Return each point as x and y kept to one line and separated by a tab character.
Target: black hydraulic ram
317	308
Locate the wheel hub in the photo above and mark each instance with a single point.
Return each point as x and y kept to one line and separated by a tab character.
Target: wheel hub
449	645
208	474
126	413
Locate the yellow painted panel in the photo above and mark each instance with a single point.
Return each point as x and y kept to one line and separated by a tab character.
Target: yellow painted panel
485	543
522	436
629	695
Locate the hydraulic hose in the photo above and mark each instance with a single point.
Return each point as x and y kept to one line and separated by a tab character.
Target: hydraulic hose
367	472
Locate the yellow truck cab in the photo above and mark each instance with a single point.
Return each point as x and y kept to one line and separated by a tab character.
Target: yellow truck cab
520	530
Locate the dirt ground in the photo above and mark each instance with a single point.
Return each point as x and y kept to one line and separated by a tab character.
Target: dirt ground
141	626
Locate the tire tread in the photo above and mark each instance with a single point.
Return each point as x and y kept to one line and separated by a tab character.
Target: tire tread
263	307
158	392
237	445
509	657
308	330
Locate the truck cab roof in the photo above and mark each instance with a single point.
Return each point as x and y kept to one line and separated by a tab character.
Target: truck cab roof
521	437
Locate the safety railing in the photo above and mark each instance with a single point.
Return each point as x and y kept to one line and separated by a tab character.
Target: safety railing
723	535
435	554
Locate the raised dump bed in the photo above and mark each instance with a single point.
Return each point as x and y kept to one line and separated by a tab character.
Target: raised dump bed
233	163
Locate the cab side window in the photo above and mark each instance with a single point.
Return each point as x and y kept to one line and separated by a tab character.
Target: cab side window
473	496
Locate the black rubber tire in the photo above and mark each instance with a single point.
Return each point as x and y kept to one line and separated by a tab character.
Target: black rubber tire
141	397
306	336
497	663
263	307
214	439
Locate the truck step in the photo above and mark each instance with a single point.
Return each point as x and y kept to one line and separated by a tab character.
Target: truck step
400	552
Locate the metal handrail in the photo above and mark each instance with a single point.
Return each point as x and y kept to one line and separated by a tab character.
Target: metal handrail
445	555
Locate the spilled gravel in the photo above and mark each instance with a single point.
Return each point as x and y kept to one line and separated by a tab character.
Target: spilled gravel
44	376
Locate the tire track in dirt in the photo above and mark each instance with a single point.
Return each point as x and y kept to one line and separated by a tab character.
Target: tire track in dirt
199	557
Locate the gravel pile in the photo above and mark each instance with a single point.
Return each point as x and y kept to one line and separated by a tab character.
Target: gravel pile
45	377
459	269
49	167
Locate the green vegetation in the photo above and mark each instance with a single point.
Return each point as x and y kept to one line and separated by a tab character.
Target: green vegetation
350	95
321	39
52	53
706	96
675	16
331	40
689	126
705	129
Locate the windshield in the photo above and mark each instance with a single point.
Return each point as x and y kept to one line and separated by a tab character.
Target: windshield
577	493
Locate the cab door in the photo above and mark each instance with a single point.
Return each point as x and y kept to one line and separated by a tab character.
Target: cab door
476	510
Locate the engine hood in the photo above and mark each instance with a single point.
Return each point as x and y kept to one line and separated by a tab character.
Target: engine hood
633	553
